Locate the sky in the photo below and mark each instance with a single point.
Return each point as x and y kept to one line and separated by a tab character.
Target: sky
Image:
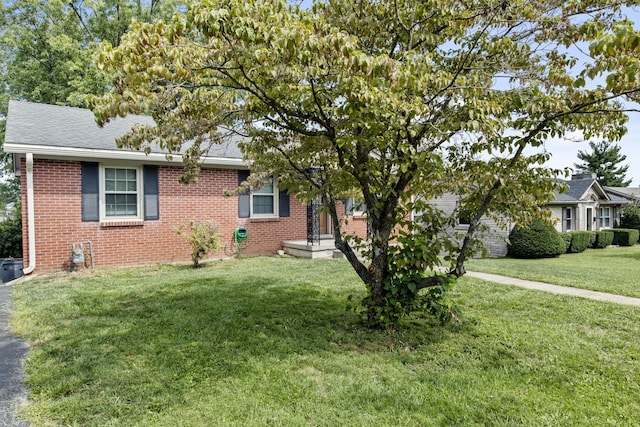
565	152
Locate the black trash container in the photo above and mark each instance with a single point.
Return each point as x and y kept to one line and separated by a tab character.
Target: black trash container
11	269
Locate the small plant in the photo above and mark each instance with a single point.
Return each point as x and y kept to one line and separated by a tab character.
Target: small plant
203	237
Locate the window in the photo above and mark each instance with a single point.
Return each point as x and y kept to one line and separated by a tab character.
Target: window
605	217
464	219
114	193
568	217
264	200
120	196
267	202
355	207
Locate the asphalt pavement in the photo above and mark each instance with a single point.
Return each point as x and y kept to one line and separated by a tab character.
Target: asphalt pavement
13	392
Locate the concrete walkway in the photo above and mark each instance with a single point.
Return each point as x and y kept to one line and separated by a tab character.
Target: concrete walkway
12	353
555	289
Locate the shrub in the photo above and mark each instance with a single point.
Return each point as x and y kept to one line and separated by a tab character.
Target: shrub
11	236
579	241
625	236
603	239
566	236
203	237
539	240
630	216
593	235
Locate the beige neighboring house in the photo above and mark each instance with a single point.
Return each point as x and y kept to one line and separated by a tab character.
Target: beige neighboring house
586	205
630	193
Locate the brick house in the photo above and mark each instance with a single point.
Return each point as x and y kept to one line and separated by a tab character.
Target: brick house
77	186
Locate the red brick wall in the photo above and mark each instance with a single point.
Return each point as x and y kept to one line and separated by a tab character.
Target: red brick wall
58	222
355	225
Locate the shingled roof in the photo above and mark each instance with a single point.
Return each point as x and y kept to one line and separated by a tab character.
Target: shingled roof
31	127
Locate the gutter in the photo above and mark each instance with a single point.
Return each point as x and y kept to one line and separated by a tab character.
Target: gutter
30	217
57	152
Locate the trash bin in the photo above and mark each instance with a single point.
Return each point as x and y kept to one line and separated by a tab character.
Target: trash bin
11	269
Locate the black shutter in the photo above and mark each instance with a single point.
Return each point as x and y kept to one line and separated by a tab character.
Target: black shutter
151	193
564	219
244	200
90	191
284	205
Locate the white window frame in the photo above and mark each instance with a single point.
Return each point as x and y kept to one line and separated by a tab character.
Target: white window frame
602	217
276	197
357	207
568	218
103	193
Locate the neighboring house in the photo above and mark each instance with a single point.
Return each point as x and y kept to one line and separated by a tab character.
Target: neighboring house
77	186
631	194
586	205
493	238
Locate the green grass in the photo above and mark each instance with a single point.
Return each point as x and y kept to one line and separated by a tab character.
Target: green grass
267	341
613	270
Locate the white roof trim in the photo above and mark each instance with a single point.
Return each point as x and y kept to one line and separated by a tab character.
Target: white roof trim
597	188
84	153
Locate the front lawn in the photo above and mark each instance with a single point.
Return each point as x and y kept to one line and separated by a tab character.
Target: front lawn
613	270
267	341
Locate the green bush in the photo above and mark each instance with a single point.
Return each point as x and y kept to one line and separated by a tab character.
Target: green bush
579	241
566	236
539	240
625	236
593	235
11	236
630	216
603	239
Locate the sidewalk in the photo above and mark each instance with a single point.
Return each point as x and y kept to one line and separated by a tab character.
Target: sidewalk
555	289
12	352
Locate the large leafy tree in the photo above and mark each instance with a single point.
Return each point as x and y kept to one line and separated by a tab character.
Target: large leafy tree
395	102
605	160
46	54
47	45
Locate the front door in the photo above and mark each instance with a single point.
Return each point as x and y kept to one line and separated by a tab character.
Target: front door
589	219
325	223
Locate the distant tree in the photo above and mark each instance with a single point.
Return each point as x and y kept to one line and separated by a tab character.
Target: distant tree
630	216
604	160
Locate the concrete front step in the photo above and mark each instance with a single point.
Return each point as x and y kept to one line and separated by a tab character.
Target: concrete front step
302	249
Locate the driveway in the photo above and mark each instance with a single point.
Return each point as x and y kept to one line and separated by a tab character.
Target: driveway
12	353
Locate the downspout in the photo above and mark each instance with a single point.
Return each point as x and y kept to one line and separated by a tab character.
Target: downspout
31	219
